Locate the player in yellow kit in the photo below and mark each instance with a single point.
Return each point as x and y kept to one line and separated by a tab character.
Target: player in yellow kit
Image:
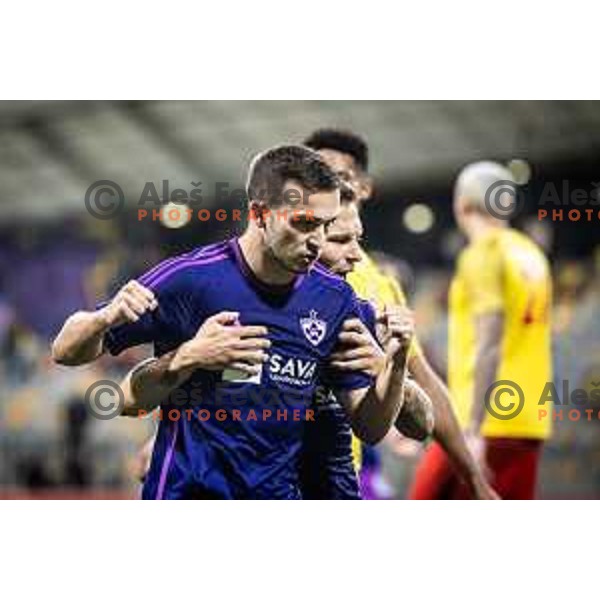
499	354
347	154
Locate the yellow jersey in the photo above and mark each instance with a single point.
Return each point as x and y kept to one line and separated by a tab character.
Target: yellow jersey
503	271
370	283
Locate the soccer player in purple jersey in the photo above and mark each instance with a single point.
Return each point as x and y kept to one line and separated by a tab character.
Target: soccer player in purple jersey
327	469
213	313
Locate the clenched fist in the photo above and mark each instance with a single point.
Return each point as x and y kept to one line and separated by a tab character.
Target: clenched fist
396	329
130	303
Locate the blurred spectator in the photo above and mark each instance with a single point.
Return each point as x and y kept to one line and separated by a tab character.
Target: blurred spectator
78	470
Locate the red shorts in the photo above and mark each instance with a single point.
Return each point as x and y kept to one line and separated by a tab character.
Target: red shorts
513	465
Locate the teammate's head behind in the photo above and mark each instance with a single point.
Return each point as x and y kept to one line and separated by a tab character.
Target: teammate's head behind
481	191
342	249
294	197
347	154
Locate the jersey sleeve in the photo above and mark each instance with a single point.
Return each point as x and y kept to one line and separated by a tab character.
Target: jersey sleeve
483	276
368	315
346	380
172	294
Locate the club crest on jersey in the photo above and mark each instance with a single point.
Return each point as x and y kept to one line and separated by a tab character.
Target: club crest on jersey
313	328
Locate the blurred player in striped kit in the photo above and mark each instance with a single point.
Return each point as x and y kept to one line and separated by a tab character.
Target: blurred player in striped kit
347	154
499	334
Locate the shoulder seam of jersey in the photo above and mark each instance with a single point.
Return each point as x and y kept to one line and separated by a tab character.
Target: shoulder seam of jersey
336	282
205	256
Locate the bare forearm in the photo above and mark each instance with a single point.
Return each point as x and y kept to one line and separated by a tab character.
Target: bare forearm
446	428
378	410
149	384
416	419
373	417
218	344
486	365
81	338
489	328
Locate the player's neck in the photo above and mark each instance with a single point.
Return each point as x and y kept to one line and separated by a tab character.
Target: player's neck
482	227
261	262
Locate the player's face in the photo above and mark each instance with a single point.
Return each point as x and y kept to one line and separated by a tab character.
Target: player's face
461	214
346	168
342	246
295	235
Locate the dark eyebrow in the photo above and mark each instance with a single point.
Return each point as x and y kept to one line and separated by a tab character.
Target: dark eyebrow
315	220
326	221
339	236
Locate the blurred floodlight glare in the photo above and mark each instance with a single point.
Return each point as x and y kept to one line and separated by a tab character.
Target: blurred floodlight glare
174	215
418	218
520	170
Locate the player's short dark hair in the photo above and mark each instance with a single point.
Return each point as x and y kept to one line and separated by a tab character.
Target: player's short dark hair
272	169
341	141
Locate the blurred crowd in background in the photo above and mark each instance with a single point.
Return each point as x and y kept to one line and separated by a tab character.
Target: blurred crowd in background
54	263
